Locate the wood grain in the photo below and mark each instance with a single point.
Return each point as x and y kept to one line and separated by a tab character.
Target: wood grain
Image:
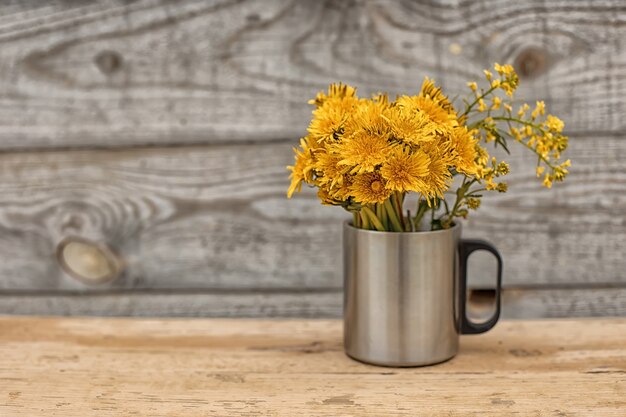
193	107
104	367
149	72
195	217
517	303
178	218
306	302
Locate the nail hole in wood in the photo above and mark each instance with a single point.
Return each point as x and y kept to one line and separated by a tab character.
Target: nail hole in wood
531	62
87	261
108	62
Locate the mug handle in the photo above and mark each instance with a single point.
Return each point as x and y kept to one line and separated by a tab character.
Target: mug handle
466	248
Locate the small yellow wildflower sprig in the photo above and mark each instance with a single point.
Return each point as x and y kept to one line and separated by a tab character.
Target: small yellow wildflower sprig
540	133
492	118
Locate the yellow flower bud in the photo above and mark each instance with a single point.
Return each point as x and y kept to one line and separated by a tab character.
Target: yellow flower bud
554	123
506	70
528	130
541	107
540	171
522	110
503	168
547	181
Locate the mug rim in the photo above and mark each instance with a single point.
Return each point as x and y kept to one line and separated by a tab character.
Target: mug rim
348	224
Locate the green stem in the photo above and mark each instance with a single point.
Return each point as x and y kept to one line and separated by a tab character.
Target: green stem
382	215
373	219
422	208
365	224
533	125
475	191
460	196
433	212
393	217
398	204
469	108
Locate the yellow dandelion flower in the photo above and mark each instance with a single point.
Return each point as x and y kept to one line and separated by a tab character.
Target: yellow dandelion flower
434	110
369	115
303	169
431	91
332	112
404	170
327	197
439	177
410	126
328	123
464	145
334	91
369	188
328	170
363	151
342	192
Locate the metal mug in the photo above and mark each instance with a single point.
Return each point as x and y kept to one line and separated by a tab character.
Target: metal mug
405	295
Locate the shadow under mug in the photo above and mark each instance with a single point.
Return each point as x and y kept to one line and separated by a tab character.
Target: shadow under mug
405	295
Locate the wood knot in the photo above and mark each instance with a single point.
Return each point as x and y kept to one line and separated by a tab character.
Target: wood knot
253	18
87	261
531	62
108	62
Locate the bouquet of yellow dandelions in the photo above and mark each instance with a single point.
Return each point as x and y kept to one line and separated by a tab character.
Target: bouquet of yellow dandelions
367	154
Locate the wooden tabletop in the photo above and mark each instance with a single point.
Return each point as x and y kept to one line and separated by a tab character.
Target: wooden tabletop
137	367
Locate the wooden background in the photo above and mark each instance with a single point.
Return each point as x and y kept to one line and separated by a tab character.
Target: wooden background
157	133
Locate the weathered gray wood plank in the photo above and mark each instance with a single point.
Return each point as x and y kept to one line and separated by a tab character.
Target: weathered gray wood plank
583	302
217	217
179	218
193	303
517	303
115	73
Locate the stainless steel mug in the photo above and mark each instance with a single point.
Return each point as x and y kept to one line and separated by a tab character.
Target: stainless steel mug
405	295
